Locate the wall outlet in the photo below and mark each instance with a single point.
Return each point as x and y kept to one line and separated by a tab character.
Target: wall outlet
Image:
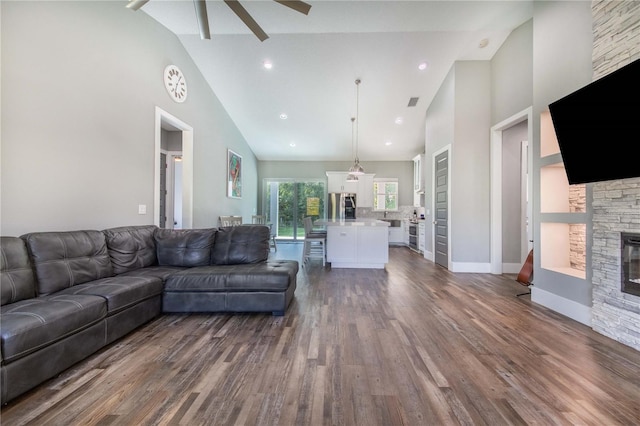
142	209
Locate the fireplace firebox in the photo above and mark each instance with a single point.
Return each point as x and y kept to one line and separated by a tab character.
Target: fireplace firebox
630	263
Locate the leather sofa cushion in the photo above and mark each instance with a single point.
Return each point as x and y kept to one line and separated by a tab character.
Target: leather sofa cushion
264	276
16	274
29	325
119	292
162	272
184	247
241	244
131	247
65	259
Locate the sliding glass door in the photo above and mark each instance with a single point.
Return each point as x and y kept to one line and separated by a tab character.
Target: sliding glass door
286	202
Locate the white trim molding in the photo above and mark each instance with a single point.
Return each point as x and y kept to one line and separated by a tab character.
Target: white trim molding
567	307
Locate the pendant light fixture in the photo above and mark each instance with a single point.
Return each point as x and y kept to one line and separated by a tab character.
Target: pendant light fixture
352	177
357	169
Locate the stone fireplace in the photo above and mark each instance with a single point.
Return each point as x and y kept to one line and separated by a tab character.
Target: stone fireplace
630	261
615	204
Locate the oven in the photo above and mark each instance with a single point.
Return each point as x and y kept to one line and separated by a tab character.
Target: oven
413	236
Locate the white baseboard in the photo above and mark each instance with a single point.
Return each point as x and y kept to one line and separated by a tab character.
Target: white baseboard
428	255
569	308
480	268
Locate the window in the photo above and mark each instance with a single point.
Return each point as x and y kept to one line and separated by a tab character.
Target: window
286	202
385	193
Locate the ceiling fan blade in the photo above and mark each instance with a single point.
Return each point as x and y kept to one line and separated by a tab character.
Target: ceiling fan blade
203	19
297	5
136	4
244	16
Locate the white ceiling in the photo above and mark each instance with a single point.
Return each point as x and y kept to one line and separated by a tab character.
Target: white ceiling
317	58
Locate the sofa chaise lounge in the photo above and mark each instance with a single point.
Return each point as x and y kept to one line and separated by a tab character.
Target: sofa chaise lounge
65	295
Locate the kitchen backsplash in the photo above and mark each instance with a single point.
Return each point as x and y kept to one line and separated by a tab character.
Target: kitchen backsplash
403	212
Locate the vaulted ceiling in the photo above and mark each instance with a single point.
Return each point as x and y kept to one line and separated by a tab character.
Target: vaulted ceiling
316	59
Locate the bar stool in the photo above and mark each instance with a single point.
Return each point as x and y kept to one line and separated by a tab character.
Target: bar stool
315	242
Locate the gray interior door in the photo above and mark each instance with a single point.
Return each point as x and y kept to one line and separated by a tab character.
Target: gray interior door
163	190
441	222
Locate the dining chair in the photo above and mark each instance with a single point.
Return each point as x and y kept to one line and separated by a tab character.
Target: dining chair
258	219
315	242
230	220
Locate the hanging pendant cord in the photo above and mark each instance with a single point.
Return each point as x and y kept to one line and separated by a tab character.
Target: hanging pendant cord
352	120
357	116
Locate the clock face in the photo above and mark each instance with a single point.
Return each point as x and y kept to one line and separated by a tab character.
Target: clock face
175	83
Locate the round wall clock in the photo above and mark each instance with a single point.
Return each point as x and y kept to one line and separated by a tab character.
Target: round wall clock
175	83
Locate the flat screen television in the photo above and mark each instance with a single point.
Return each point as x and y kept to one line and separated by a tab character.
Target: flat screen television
598	127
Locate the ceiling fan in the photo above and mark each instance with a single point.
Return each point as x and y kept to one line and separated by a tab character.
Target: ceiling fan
237	8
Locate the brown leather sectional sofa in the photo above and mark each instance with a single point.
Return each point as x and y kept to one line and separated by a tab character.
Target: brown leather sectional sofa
65	295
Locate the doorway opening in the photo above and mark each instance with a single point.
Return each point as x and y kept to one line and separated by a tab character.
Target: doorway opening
173	187
511	161
170	214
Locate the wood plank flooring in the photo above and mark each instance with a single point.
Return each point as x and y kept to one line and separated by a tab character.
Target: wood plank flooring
410	345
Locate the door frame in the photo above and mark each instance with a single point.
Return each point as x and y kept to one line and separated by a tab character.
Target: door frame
496	182
165	120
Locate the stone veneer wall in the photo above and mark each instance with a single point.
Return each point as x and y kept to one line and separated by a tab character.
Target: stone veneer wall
616	204
577	232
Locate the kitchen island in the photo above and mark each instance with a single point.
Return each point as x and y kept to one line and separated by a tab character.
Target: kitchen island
357	243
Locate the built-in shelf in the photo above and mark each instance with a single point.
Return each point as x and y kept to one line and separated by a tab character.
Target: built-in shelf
562	248
568	271
558	195
562	210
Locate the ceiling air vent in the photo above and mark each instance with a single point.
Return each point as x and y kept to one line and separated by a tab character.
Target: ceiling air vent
413	102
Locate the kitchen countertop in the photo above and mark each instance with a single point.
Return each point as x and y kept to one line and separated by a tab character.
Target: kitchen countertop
351	222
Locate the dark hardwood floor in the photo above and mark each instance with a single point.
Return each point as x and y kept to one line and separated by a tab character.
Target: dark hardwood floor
410	345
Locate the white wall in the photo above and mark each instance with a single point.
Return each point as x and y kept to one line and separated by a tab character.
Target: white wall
512	74
470	165
80	83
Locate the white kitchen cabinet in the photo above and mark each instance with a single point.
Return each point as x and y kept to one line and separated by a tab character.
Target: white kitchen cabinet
396	234
418	199
418	181
364	194
421	236
359	246
341	243
418	178
337	182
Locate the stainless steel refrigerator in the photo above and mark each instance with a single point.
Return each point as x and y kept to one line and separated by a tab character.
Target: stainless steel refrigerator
341	206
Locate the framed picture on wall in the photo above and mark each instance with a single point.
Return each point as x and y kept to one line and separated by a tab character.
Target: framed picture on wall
234	174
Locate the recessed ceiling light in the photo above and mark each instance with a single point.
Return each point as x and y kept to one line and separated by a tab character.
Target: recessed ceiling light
399	120
387	143
483	43
283	116
422	66
292	144
267	64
